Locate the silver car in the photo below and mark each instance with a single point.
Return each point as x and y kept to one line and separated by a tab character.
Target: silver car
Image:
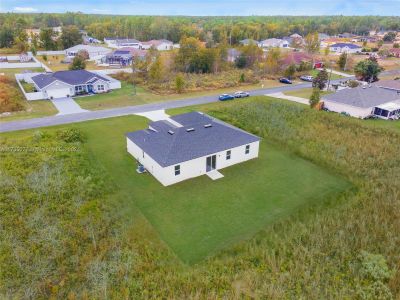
241	94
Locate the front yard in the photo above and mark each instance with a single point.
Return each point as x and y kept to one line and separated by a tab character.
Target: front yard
304	93
125	97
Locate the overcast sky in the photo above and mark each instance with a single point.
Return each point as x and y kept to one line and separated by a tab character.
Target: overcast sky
208	7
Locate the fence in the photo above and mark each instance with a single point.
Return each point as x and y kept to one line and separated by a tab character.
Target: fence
28	78
56	52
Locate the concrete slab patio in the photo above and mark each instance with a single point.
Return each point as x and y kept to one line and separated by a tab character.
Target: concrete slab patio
214	175
67	106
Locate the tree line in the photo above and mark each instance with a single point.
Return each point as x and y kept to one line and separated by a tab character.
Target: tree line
208	29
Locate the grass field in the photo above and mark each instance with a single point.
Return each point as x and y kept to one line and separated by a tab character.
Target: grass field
303	93
107	235
124	96
219	213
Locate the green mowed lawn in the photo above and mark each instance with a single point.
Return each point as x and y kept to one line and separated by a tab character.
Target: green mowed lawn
198	217
304	93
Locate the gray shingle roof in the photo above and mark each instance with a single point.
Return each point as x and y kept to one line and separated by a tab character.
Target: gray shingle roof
170	149
75	77
348	45
363	97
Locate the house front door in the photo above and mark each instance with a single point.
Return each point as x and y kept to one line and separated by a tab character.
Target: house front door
211	163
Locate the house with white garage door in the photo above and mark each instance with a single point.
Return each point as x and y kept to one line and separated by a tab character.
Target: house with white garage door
73	83
190	145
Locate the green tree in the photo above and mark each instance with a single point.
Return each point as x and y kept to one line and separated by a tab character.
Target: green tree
47	37
342	61
368	70
78	63
179	83
70	36
242	78
241	61
156	71
389	37
320	80
189	47
315	97
6	37
290	71
312	43
272	65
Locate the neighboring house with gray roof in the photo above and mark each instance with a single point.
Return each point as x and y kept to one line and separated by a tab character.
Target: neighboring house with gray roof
361	102
190	145
72	83
345	47
93	51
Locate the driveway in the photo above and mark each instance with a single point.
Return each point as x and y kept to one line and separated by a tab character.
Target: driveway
66	106
290	98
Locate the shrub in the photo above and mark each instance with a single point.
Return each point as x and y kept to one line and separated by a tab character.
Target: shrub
353	83
179	83
315	97
374	267
71	135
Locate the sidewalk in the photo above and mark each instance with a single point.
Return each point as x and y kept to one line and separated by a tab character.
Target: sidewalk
290	98
337	73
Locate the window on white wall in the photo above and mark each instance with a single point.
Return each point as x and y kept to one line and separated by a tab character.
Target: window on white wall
228	154
177	170
247	151
100	87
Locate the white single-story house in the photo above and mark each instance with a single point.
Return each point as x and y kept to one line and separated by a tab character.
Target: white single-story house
190	145
364	101
72	83
93	51
160	45
247	42
345	47
274	43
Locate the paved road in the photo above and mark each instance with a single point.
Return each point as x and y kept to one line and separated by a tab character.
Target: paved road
123	111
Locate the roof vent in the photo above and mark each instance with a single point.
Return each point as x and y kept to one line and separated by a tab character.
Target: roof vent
189	129
171	132
207	125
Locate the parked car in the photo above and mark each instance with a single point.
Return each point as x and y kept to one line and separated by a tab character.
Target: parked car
241	94
306	78
285	80
224	97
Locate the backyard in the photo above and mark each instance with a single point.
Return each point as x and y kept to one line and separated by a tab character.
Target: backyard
268	225
54	62
13	104
125	96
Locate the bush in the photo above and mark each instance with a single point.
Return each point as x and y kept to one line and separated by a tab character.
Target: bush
71	135
353	83
179	83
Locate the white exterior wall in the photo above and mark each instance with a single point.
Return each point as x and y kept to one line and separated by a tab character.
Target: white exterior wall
101	82
353	111
192	168
58	89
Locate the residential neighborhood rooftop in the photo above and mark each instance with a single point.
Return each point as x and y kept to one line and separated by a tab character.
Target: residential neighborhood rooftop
74	77
364	97
198	136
